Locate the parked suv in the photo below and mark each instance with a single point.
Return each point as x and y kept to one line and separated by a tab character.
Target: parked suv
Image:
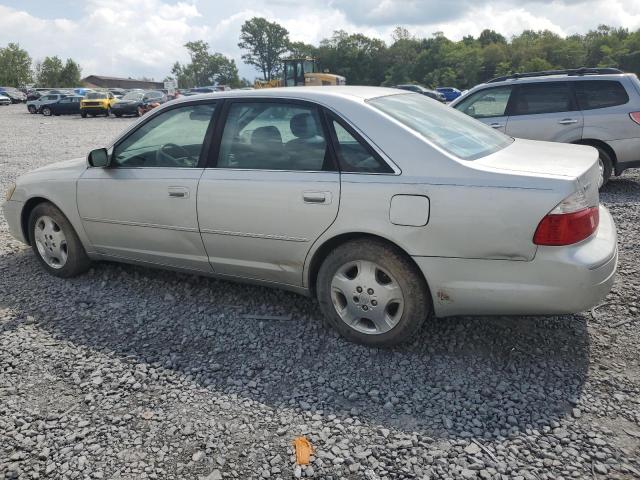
95	103
591	106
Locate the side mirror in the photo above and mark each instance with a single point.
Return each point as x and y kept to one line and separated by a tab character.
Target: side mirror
98	158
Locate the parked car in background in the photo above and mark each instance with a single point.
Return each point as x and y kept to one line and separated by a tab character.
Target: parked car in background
423	91
81	91
97	103
34	94
35	106
65	106
4	100
449	93
590	106
15	95
133	101
118	92
385	205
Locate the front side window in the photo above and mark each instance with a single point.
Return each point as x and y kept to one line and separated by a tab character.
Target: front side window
273	136
543	97
592	94
65	100
491	102
356	156
443	126
171	139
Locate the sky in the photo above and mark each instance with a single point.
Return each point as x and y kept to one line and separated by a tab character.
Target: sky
135	38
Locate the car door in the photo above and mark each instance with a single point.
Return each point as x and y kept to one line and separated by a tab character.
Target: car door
272	191
62	106
489	105
143	206
545	111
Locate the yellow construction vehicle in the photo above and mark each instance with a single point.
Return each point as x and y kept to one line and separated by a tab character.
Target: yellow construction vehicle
301	72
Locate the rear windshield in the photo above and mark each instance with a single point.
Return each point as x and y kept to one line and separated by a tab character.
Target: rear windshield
449	129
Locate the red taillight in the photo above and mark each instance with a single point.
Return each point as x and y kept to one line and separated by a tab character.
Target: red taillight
635	116
567	228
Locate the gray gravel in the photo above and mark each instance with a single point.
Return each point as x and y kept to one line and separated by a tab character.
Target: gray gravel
133	373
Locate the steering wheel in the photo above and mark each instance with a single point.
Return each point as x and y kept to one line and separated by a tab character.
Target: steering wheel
165	155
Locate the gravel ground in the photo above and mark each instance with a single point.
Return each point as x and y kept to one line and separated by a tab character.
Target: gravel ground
132	373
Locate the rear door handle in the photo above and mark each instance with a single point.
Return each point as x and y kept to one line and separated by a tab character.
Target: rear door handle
496	125
568	121
316	197
178	192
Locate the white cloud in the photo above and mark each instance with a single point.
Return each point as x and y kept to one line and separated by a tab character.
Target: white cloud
145	37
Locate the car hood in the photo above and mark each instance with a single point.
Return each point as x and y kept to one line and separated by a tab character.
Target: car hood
543	158
77	165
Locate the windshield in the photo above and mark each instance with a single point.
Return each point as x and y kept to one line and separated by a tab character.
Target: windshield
135	96
95	95
453	131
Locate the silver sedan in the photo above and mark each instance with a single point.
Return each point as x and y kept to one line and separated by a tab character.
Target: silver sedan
387	206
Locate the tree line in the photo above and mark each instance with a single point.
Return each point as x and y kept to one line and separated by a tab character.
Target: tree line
433	61
17	69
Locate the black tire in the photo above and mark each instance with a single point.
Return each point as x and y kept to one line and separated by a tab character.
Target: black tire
607	164
77	260
46	111
32	109
83	114
118	115
108	112
417	302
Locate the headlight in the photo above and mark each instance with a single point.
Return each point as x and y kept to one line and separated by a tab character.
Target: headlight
12	189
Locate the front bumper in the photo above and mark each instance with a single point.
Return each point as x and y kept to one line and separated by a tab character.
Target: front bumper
559	280
12	211
125	109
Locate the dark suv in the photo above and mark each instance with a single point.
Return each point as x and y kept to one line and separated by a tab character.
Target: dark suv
592	106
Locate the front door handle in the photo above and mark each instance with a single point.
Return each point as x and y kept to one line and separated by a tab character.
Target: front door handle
568	121
496	125
178	192
316	197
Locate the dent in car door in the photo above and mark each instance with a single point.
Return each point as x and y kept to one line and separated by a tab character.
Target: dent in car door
545	111
270	196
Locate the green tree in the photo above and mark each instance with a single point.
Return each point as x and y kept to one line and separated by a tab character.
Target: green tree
302	50
50	72
70	74
15	66
265	43
205	68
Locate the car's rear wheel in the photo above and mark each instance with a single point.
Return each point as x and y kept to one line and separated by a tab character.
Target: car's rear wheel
31	108
118	115
372	293
46	111
605	164
56	243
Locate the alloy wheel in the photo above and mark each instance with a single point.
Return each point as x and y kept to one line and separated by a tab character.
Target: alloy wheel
367	297
51	242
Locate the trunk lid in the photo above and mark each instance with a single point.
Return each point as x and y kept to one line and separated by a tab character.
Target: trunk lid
551	160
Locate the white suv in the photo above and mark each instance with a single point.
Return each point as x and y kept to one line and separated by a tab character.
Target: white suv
596	106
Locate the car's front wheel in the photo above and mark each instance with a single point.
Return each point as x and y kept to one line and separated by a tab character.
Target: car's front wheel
83	114
372	293
55	242
31	108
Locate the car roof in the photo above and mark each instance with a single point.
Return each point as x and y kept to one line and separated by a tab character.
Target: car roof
317	94
555	78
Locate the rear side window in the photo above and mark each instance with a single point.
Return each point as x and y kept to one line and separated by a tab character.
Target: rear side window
354	155
543	97
592	94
